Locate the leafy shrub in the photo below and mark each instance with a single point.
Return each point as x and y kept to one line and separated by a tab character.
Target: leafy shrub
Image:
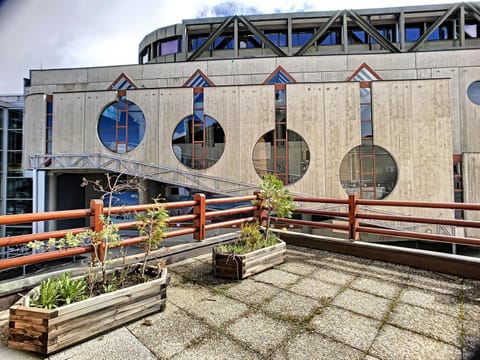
251	239
55	292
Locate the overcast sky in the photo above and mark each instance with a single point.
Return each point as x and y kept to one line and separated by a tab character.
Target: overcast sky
46	34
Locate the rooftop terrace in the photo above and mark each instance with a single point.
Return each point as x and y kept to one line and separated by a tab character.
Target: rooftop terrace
316	305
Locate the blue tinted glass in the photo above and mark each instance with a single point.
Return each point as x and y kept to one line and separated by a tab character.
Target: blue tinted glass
198	101
114	137
365	112
435	35
412	34
367	129
49	107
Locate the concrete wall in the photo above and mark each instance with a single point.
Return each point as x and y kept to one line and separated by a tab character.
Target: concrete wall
421	123
412	122
471	181
461	66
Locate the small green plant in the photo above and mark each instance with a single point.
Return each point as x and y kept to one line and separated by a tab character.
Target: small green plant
152	225
55	292
251	239
275	199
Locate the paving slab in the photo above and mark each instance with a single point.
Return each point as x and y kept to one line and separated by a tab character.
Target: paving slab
118	344
363	303
430	323
291	306
260	332
346	327
252	292
316	305
170	332
314	346
396	343
377	287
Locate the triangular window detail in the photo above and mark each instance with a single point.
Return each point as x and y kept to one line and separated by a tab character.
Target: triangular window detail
364	73
122	82
279	76
198	79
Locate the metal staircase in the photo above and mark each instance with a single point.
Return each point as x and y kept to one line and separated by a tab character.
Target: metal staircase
186	178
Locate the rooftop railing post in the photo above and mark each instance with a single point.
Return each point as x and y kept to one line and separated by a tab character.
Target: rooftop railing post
260	213
96	224
199	223
353	234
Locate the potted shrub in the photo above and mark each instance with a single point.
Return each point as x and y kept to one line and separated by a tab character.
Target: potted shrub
64	311
256	250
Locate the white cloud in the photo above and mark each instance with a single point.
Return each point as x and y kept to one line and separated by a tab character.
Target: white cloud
57	33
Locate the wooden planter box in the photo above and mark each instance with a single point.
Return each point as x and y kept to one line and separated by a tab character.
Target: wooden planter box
243	266
46	331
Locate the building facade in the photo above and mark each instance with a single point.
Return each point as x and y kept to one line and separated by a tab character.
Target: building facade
383	102
16	192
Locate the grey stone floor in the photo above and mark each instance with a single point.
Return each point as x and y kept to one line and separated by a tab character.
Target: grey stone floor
316	305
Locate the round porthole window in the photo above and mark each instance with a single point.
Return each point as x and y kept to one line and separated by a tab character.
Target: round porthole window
198	141
473	92
281	152
121	126
368	170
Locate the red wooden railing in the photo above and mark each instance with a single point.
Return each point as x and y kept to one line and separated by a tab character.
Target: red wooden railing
202	220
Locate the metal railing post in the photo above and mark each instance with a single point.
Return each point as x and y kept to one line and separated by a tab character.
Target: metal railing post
199	223
353	234
96	224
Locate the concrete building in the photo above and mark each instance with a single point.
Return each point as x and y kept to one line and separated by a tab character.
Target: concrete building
384	102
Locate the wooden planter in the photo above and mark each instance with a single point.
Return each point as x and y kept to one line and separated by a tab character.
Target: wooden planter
243	266
46	331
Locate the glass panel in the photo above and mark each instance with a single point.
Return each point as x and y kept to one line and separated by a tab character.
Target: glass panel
280	97
298	157
206	154
473	92
134	132
19	206
377	178
198	101
280	115
14	159
15	118
169	47
365	95
49	121
365	112
14	140
280	132
19	188
367	130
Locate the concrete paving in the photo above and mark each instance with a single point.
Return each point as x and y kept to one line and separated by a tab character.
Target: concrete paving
316	305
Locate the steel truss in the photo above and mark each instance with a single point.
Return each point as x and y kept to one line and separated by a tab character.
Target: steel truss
185	178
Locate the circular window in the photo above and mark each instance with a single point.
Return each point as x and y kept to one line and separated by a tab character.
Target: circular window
198	141
283	153
368	170
121	126
473	92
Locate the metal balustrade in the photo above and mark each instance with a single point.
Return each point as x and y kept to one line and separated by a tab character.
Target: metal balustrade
202	220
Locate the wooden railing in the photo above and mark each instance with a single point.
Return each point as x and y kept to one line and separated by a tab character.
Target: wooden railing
200	221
